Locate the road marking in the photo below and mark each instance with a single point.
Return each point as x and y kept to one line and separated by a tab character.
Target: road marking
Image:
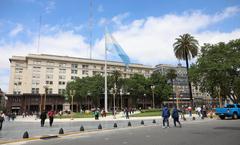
125	142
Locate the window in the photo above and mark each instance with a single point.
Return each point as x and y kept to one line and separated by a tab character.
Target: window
61	83
35	82
36	69
61	77
73	77
35	90
36	76
49	82
74	71
18	70
61	65
85	66
49	76
49	70
74	66
61	91
62	71
85	72
49	90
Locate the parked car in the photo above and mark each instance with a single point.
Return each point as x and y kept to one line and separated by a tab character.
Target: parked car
230	110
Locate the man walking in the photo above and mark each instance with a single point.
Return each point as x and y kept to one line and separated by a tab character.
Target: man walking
165	115
175	116
51	117
43	117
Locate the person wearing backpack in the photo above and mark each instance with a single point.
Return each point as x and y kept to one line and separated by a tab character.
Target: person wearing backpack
175	116
165	115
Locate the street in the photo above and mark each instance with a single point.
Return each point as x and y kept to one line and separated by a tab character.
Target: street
202	132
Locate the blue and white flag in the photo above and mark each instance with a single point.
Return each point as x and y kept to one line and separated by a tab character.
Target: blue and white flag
113	46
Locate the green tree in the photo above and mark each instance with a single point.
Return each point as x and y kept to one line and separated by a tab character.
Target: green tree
217	70
162	89
186	48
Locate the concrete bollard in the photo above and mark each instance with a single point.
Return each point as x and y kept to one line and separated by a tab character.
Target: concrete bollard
81	128
129	123
25	134
99	126
142	122
115	125
61	131
193	118
154	121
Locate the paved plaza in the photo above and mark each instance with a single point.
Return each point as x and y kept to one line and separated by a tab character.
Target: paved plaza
198	132
13	130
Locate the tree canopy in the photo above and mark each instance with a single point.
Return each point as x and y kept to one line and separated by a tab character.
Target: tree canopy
218	70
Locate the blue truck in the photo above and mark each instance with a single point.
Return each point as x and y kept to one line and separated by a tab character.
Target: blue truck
230	110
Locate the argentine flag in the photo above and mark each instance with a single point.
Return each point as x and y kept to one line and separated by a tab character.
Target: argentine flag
113	46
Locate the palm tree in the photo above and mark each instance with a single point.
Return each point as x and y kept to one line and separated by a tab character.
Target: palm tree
186	48
171	75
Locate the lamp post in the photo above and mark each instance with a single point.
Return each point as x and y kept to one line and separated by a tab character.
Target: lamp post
144	100
45	96
88	95
121	93
153	103
72	93
113	91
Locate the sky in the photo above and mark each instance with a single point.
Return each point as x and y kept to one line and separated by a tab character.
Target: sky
146	29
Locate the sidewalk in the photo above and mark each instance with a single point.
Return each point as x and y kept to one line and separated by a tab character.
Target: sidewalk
119	116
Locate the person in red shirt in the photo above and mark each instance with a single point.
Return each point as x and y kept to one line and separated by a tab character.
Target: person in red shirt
51	117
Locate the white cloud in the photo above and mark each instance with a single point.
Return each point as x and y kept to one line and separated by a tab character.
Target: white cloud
119	18
15	31
149	40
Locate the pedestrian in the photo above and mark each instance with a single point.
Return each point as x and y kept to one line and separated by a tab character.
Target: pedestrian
175	116
1	119
165	115
190	111
51	117
127	113
43	117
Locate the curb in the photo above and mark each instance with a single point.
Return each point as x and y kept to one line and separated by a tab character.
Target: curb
48	136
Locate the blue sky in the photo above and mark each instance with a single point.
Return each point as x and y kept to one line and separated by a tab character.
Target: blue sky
146	29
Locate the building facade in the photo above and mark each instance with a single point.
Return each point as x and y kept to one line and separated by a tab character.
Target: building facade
180	85
34	74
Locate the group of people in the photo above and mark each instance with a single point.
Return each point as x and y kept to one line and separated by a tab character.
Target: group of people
166	114
43	117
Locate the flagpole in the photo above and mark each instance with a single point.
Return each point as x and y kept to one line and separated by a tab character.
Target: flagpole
105	75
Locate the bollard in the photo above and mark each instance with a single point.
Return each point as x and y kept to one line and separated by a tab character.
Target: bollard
202	117
184	119
99	126
154	121
142	122
115	125
129	123
81	128
61	131
25	135
193	118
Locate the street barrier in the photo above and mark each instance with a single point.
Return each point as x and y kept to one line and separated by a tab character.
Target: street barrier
25	135
115	125
129	123
81	128
99	126
61	131
193	118
154	121
142	122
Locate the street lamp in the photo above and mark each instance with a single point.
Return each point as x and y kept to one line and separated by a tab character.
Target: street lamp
121	93
153	103
72	93
144	100
45	96
113	90
88	95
